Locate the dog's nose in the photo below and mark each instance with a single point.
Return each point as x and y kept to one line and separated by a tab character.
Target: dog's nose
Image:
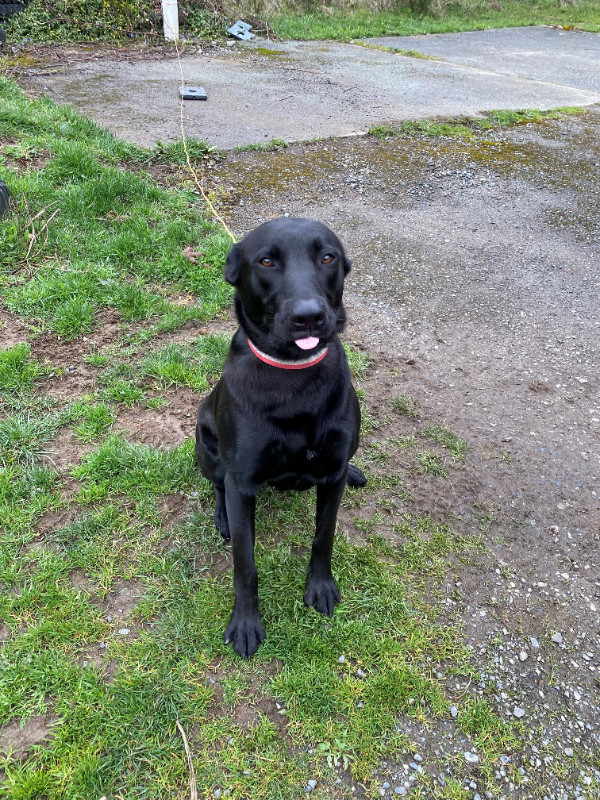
308	313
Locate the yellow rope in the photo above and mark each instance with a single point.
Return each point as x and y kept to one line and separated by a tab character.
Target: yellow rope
213	210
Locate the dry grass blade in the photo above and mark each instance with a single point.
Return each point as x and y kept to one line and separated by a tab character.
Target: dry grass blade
35	235
188	755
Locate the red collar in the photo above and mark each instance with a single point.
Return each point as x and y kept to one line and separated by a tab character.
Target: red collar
277	362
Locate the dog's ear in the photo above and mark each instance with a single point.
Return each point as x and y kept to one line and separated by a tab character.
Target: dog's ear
233	265
347	265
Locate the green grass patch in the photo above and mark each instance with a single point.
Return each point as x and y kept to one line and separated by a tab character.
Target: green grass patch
467	127
456	446
407	405
194	365
262	147
19	373
120	21
362	20
104	232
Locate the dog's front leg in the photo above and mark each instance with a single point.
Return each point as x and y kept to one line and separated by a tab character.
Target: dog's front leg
321	590
245	628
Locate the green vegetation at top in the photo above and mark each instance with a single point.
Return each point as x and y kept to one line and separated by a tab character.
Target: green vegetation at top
126	20
311	20
110	20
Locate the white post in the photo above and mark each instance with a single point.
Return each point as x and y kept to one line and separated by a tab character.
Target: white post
170	20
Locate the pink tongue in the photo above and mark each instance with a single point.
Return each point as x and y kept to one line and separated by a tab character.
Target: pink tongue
308	343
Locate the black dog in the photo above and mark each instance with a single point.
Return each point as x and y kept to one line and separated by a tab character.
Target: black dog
284	411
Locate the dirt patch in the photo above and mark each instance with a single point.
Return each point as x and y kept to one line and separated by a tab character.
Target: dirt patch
12	329
120	603
18	739
166	427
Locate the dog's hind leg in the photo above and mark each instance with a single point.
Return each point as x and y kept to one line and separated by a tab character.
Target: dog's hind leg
221	522
211	466
355	476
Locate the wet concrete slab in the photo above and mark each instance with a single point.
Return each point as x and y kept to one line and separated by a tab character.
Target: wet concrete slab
298	91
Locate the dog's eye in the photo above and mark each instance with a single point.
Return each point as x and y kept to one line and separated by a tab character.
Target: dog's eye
266	262
327	259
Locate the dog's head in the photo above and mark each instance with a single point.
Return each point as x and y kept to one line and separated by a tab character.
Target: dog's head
289	275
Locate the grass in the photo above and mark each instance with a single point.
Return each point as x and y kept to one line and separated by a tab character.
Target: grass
468	127
363	20
262	147
100	236
115	588
19	373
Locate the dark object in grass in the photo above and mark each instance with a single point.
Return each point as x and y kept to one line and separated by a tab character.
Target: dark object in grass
284	411
8	9
4	199
192	93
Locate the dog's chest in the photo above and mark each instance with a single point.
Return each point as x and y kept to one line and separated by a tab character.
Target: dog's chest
303	458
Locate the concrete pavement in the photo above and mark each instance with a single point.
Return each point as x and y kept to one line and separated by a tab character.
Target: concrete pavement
301	90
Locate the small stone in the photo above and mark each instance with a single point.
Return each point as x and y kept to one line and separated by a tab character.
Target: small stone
342	659
556	638
311	785
523	655
453	712
418	757
534	643
472	758
217	793
399	790
124	631
518	712
569	751
385	785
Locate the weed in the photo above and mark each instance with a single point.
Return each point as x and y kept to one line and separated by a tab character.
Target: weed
431	464
122	391
262	147
456	446
404	404
175	152
191	366
359	362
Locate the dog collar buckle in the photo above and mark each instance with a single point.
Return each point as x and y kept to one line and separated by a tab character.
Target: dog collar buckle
282	364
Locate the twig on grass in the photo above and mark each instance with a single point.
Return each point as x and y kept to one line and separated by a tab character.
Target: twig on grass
188	755
35	235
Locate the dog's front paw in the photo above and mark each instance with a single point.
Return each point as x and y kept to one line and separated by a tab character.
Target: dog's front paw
322	594
246	633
